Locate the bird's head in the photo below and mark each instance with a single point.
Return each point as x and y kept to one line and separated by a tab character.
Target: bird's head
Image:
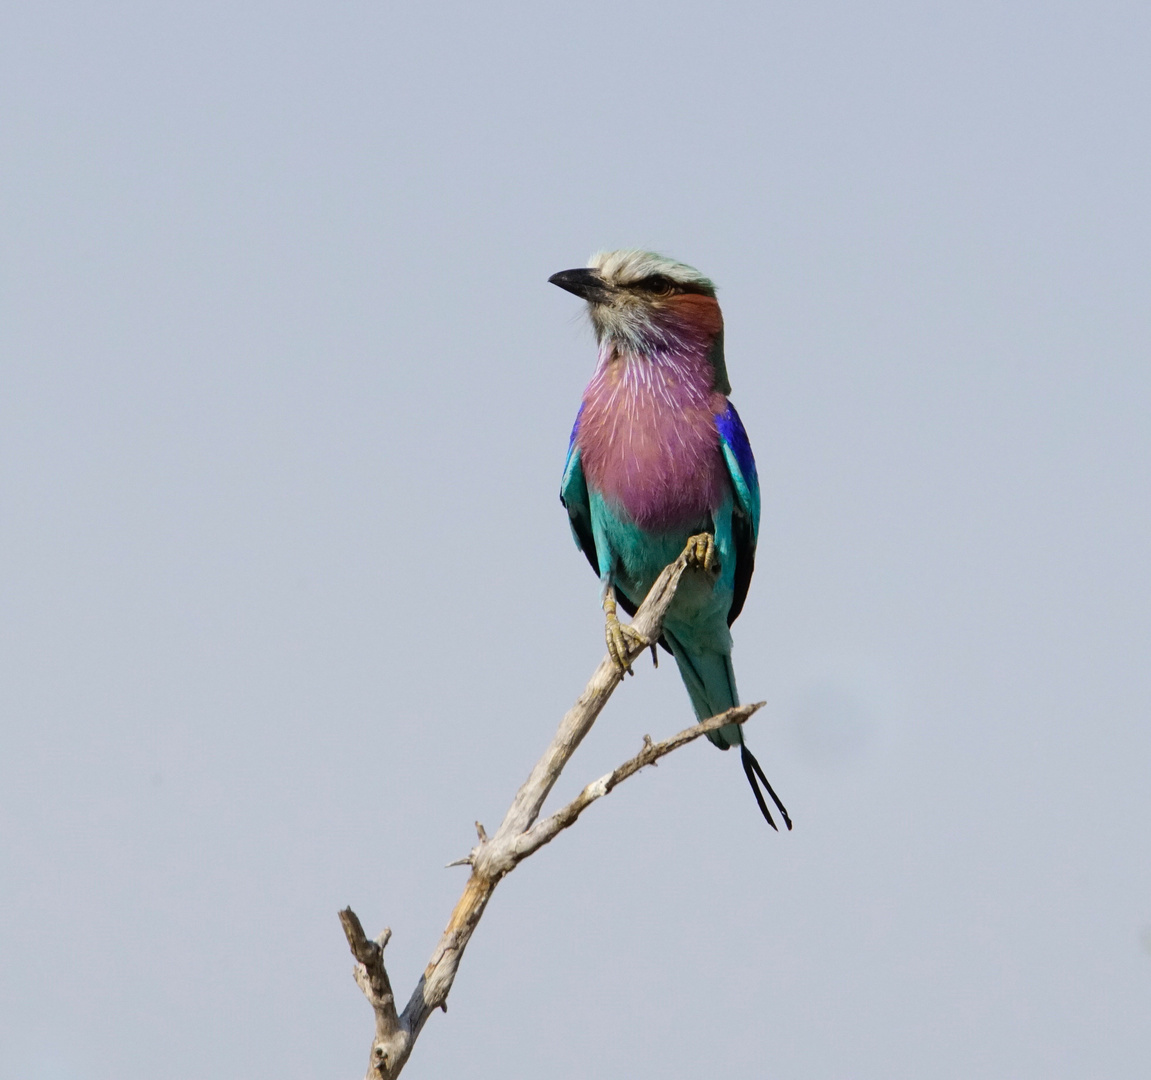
646	303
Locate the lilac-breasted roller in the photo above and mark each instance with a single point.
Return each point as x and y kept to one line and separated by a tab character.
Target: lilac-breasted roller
658	455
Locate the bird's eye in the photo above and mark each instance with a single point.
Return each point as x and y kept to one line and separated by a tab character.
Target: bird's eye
658	284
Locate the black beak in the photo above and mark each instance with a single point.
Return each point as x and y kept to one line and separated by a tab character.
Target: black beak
584	282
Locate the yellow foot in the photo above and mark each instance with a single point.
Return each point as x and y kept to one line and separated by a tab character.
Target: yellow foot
701	552
624	644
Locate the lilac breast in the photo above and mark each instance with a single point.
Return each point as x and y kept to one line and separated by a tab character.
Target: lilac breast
648	441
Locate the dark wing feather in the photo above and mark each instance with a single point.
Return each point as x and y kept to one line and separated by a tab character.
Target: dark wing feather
744	563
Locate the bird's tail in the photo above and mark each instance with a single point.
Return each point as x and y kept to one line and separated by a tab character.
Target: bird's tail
752	770
710	681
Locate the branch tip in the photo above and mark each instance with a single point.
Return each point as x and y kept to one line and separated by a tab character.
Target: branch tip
354	932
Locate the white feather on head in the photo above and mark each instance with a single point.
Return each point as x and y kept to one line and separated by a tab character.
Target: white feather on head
629	265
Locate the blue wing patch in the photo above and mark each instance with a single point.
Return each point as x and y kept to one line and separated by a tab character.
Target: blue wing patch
740	462
574	496
571	463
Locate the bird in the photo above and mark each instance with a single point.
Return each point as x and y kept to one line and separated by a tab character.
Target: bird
658	456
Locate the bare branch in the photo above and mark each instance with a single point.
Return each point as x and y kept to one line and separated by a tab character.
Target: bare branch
517	837
372	978
545	831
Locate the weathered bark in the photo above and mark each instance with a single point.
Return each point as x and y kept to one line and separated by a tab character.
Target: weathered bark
518	836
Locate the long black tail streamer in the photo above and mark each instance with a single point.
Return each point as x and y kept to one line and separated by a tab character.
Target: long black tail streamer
752	770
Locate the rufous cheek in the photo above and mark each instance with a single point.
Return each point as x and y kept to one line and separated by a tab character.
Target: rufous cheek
698	311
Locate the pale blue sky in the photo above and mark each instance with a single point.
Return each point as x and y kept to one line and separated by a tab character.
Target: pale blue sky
289	600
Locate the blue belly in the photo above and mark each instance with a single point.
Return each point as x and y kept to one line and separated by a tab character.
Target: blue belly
632	558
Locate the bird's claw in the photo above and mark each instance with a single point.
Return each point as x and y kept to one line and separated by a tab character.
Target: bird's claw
701	552
623	643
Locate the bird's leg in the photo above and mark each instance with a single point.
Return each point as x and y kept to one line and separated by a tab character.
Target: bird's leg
701	552
622	641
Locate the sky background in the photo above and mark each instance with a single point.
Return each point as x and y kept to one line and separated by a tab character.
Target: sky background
288	599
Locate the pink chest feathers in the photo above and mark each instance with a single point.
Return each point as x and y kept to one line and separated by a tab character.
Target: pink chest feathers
649	445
